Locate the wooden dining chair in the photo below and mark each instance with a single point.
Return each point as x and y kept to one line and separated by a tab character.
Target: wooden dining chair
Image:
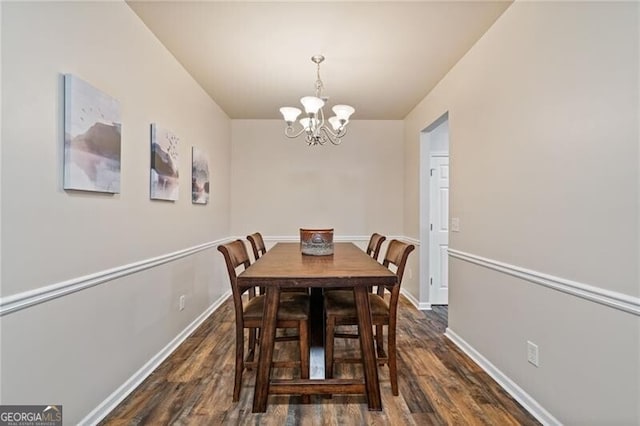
375	243
259	249
257	245
293	312
373	250
340	309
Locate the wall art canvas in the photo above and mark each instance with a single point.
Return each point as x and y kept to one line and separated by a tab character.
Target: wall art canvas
164	164
92	138
199	177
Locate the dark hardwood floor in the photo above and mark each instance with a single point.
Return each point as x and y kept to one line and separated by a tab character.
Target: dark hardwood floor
439	385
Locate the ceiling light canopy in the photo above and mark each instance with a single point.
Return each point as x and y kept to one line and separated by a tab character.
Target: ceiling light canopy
314	126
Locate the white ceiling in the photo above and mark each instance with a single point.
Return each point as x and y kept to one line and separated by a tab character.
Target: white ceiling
382	57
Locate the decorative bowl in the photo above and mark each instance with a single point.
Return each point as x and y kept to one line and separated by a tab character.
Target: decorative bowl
316	242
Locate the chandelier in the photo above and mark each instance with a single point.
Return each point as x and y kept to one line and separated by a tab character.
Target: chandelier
316	130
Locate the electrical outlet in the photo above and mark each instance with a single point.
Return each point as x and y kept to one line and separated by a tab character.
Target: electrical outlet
532	353
181	302
455	224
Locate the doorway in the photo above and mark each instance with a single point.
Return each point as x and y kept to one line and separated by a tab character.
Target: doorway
434	212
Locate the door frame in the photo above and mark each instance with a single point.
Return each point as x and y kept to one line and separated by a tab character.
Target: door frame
424	208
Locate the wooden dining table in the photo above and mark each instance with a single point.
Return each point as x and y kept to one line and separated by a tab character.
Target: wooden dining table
284	266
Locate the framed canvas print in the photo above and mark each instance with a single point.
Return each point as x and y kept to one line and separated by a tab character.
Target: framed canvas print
92	138
199	177
164	164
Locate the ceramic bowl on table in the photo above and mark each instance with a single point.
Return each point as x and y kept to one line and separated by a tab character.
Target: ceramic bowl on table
316	242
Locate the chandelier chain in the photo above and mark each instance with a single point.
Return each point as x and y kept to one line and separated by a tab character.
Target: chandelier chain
319	84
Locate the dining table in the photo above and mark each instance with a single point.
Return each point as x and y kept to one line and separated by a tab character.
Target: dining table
284	266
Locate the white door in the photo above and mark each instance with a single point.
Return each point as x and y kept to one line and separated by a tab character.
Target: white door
439	230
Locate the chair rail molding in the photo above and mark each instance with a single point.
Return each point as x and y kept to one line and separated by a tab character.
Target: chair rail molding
613	299
19	301
409	240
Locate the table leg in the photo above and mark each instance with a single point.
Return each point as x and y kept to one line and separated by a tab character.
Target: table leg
365	327
267	339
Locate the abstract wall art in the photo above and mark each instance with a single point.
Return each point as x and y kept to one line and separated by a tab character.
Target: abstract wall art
199	177
92	138
164	164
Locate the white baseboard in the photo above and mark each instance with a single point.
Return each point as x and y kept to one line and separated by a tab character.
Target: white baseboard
112	401
422	306
530	404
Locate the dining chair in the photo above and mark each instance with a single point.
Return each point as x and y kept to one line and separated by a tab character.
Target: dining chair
373	250
257	245
259	249
375	243
340	310
293	312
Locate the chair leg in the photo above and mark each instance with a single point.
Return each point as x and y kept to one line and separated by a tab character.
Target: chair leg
379	341
393	367
303	332
237	384
328	348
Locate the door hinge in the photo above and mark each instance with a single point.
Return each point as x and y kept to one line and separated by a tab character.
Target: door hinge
431	172
430	281
431	227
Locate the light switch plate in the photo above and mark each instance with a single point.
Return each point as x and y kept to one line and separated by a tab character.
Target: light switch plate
455	224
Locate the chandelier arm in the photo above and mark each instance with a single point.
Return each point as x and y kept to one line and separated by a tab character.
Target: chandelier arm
311	138
328	135
339	134
288	132
328	130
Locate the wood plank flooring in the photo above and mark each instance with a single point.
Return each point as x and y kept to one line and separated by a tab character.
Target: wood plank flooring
439	385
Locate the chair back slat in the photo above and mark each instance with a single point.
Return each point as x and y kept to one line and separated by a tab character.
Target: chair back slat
397	255
375	243
257	245
236	256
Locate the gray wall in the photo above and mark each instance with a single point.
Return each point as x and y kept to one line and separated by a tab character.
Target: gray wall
77	349
543	119
355	187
